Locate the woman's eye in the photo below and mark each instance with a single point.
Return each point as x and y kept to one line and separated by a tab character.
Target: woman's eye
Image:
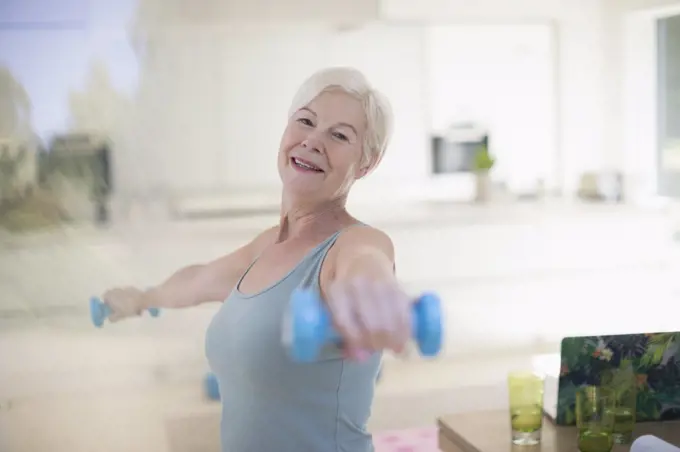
305	121
341	136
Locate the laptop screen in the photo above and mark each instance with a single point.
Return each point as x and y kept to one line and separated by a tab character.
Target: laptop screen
654	359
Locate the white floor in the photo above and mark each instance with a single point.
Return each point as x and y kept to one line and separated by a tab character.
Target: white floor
514	281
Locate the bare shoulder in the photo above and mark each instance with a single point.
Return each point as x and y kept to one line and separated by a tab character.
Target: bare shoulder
365	238
218	278
243	256
264	239
358	243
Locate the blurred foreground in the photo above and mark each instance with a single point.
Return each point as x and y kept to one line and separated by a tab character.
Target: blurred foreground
514	278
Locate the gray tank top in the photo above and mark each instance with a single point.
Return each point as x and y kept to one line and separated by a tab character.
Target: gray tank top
271	403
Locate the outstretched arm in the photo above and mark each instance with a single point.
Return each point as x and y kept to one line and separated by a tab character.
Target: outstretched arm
191	285
368	307
208	282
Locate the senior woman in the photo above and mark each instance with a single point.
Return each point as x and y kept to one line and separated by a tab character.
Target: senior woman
337	132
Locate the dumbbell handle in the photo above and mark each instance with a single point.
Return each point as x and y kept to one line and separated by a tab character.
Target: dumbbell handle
309	325
100	311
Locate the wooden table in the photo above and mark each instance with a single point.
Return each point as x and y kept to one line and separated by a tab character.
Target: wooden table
489	431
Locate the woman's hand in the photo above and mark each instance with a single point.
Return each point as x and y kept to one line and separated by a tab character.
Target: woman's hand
124	302
370	315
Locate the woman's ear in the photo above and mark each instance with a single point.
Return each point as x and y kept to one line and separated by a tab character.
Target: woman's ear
362	171
364	168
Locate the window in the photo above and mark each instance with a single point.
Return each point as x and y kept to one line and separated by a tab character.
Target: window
668	95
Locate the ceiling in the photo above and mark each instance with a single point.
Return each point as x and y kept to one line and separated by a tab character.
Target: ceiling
161	12
211	11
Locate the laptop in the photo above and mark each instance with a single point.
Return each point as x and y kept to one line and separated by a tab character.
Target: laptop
655	359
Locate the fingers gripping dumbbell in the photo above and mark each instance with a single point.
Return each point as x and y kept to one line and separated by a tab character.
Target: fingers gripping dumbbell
308	325
100	311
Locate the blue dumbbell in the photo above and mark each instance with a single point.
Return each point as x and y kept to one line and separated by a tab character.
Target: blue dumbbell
308	327
99	311
211	386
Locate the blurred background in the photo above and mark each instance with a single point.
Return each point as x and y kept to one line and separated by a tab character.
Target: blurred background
532	181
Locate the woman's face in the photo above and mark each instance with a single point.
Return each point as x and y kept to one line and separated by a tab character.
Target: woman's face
321	148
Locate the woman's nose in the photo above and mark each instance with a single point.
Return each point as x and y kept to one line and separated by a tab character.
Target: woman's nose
313	144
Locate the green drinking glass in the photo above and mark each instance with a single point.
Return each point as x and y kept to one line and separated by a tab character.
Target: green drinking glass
595	419
526	407
622	386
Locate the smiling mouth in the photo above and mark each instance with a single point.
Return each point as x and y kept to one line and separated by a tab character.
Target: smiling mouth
305	166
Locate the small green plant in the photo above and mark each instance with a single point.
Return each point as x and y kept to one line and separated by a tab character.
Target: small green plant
483	161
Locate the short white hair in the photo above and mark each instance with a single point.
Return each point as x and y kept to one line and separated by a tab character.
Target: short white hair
377	109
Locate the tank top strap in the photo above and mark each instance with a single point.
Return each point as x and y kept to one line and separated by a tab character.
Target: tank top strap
311	265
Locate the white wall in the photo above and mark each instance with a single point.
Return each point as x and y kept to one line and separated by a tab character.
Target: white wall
604	67
502	76
579	64
644	5
488	11
394	56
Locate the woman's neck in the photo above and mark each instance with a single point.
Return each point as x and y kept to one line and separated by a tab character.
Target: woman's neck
299	220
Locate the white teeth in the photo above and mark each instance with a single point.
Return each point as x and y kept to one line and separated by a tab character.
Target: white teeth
304	165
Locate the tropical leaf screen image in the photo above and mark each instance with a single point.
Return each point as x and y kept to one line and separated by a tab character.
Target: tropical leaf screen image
653	361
